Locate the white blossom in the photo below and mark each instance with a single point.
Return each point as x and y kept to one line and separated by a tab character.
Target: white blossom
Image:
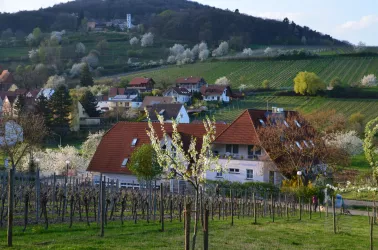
247	52
147	40
222	81
203	55
91	59
348	141
134	41
369	81
90	145
33	54
80	49
76	69
55	81
57	35
222	50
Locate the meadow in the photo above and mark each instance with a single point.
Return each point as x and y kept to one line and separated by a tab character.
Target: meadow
352	233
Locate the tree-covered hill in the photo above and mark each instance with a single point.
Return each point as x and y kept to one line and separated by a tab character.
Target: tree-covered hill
170	19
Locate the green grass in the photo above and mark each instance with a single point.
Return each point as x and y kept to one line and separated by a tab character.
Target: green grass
306	104
353	233
279	73
360	163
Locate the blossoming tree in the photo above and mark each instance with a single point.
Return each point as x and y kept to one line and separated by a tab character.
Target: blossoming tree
185	164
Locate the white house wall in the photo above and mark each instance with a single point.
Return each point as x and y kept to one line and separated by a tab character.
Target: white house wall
183	116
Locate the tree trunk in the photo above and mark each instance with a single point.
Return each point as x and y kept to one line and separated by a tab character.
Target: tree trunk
195	219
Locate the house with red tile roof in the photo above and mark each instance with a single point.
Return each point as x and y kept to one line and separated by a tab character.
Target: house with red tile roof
193	84
216	93
237	145
112	157
143	84
170	112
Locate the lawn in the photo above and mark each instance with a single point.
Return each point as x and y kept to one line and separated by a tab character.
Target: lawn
353	233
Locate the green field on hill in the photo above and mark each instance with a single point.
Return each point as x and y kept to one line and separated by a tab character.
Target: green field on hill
279	73
366	107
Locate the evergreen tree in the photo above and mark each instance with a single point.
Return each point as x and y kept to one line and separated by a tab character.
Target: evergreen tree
42	108
86	77
20	104
89	102
60	105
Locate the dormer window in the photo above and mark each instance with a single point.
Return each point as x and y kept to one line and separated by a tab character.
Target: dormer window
298	145
134	142
286	124
297	123
262	122
161	111
306	144
124	162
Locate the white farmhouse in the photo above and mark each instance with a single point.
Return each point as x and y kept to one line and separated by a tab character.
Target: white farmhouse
216	93
181	95
170	112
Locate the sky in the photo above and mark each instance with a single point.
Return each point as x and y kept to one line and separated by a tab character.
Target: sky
343	19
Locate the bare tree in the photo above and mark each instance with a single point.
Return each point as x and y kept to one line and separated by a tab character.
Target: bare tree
294	145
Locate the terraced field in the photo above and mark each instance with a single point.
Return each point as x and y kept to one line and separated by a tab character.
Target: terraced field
307	104
279	73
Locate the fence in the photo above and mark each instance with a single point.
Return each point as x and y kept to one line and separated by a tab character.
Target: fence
58	199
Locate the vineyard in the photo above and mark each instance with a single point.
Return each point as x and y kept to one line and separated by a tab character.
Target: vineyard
279	73
305	104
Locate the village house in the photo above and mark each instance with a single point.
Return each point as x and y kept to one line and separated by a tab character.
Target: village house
216	93
124	98
142	84
102	103
83	119
181	95
170	112
193	84
237	145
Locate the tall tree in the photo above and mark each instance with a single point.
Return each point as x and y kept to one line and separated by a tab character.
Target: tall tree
86	77
20	105
42	108
89	102
307	83
60	105
144	163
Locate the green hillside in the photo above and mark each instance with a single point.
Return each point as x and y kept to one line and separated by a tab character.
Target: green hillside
307	104
279	73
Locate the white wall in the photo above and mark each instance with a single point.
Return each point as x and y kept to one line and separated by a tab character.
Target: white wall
183	116
101	105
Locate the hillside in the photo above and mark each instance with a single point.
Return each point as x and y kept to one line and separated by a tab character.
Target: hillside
179	20
280	73
305	104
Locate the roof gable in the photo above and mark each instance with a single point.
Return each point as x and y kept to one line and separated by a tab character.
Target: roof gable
241	131
140	80
168	111
189	80
152	100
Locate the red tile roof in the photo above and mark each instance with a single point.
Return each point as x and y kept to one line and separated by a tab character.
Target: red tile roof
212	90
148	101
116	91
139	81
115	146
241	131
190	80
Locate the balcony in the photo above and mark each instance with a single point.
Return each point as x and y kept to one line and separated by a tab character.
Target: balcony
238	156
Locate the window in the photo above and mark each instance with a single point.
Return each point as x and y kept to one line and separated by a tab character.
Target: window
298	145
235	149
219	174
231	148
134	142
297	123
262	122
286	124
249	174
124	162
234	171
161	111
253	151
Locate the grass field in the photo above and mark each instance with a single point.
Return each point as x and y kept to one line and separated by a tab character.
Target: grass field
353	233
279	73
306	104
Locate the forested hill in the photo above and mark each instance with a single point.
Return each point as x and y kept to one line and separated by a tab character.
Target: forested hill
170	19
